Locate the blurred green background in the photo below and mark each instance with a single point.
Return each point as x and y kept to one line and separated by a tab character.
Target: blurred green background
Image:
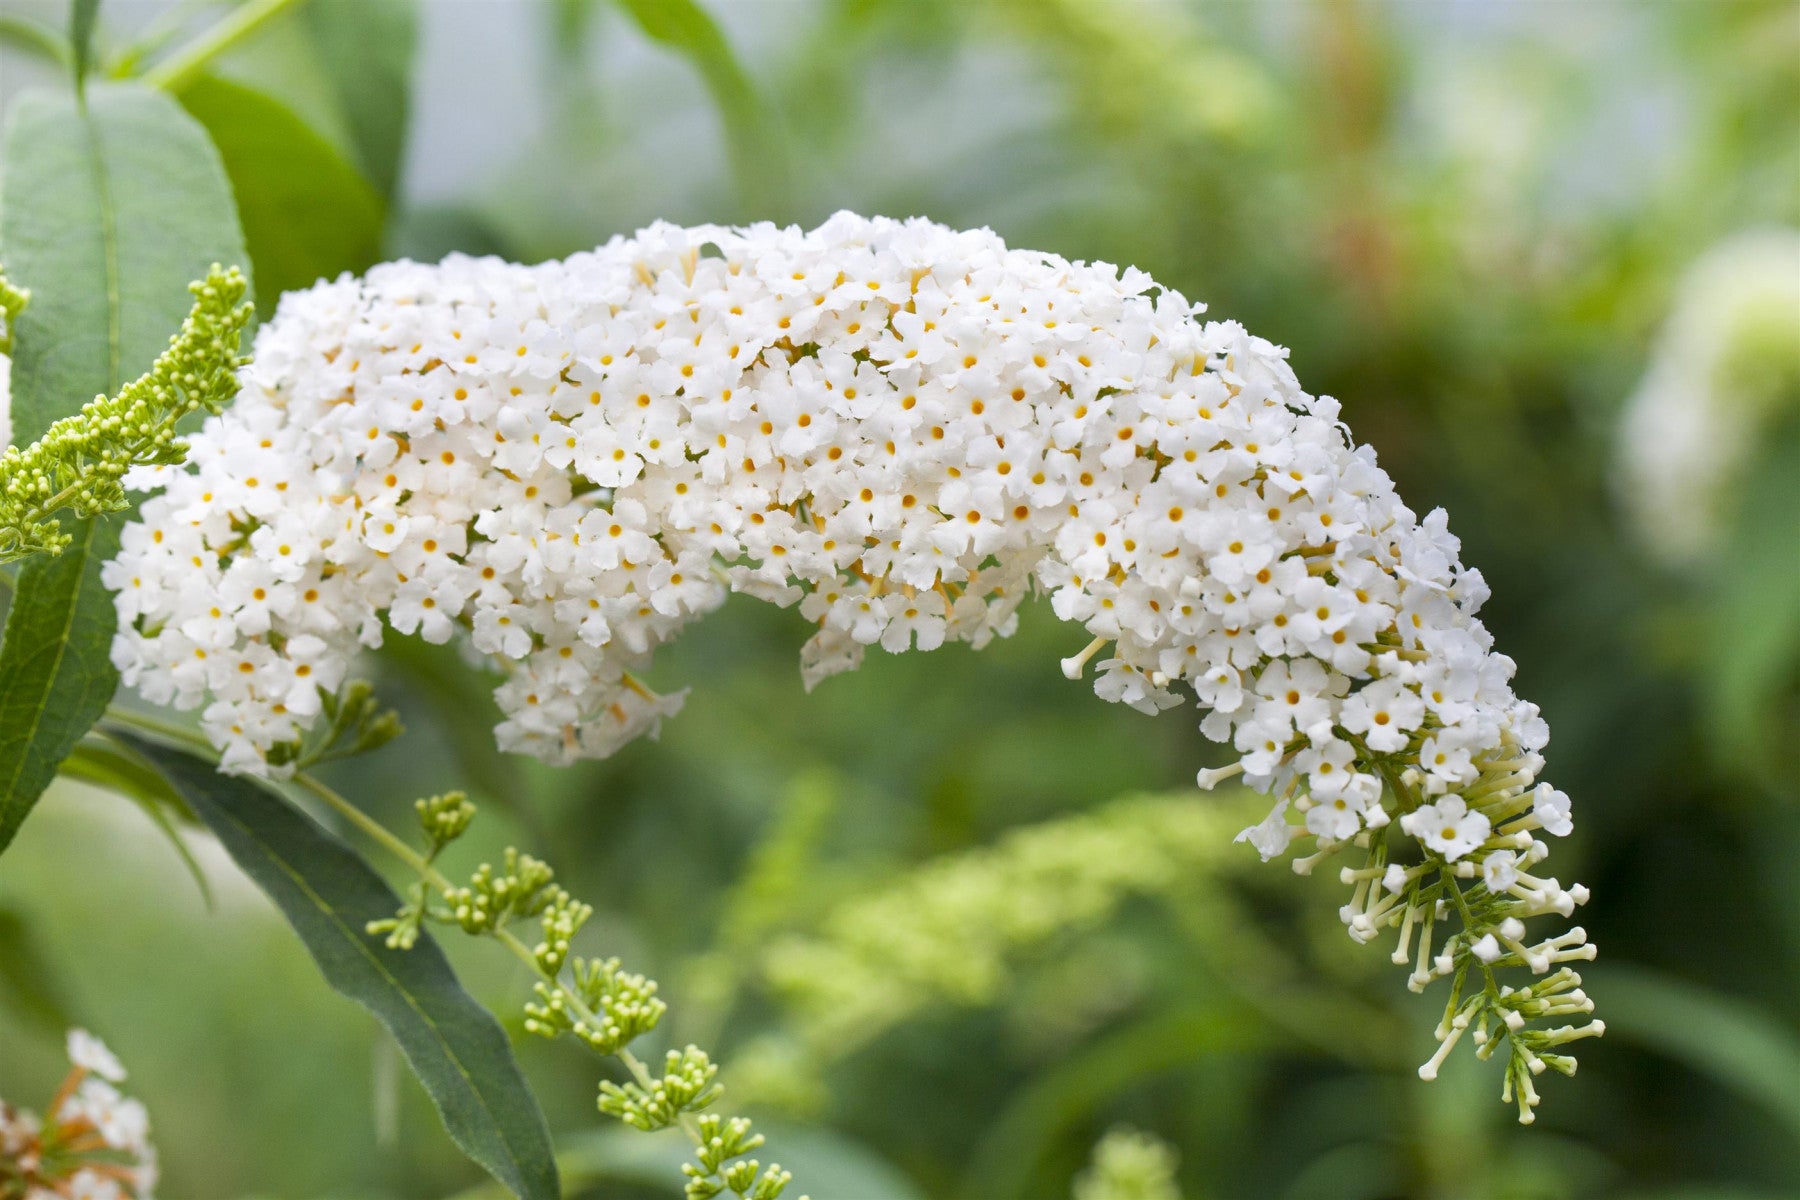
1471	221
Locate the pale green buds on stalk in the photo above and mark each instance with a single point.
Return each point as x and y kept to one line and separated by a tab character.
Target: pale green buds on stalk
12	303
562	919
490	900
80	462
724	1139
686	1086
1128	1165
444	818
626	1005
598	1004
355	723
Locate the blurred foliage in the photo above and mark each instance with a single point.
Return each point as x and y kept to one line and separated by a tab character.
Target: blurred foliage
1470	223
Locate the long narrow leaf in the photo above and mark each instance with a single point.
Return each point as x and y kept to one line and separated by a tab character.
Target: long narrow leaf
98	763
1737	1044
111	208
329	895
752	139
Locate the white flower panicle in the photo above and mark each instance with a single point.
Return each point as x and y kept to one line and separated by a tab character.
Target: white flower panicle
899	428
92	1144
1726	368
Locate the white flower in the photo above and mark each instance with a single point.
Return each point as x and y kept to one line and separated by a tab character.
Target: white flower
88	1184
18	1129
1551	808
1338	818
1270	836
90	1054
1384	712
1500	870
1448	827
121	1122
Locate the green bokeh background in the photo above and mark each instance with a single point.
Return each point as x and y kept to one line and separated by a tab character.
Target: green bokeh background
1468	220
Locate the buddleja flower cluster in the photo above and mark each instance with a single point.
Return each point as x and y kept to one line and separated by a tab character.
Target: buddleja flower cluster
1128	1165
80	462
92	1144
902	430
1726	369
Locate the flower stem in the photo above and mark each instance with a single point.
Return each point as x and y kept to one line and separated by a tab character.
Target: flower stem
632	1062
160	728
380	833
179	70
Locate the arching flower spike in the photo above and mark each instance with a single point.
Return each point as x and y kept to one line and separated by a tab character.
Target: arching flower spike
902	430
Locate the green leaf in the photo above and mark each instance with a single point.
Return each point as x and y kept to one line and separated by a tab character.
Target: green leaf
111	209
329	895
366	48
35	38
282	61
755	145
1737	1044
1067	1095
307	213
1753	641
55	674
96	762
29	985
82	15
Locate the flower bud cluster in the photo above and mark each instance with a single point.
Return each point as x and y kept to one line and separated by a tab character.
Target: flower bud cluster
522	887
623	1006
686	1086
721	1140
900	429
444	818
12	302
1129	1165
562	919
598	1004
80	462
92	1142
